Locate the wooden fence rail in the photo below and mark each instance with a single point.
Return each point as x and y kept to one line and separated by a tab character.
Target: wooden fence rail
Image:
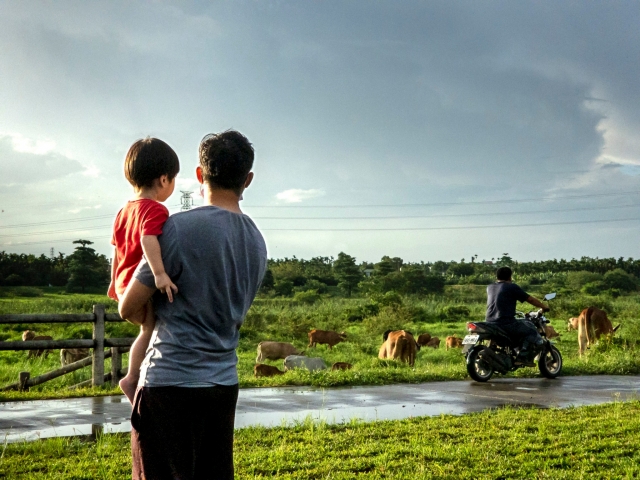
97	343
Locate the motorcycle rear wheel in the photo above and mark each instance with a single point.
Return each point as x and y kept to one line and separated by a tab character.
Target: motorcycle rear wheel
550	362
477	369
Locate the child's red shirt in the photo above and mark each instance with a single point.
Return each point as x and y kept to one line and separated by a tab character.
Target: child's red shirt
136	219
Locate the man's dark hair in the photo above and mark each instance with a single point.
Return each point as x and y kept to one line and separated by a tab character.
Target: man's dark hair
226	159
504	273
148	159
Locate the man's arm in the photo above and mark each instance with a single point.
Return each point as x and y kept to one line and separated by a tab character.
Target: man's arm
537	303
135	298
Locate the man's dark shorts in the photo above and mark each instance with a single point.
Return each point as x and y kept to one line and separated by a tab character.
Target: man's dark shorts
184	433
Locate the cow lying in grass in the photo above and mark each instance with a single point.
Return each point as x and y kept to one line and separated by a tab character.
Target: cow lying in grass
275	351
262	370
306	363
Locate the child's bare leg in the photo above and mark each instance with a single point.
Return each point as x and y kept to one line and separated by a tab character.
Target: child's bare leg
137	353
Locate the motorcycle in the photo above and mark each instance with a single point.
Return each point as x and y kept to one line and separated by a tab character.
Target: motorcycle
489	350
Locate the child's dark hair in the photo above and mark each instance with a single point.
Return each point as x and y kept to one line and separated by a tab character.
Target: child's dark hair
226	159
148	159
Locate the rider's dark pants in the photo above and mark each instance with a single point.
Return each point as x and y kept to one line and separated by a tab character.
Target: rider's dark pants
522	332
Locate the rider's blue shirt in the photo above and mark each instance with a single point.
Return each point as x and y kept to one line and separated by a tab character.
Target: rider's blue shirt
501	301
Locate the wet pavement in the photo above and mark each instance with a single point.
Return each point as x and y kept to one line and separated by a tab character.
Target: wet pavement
286	405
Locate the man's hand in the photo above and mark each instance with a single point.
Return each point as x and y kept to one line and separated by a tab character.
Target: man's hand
165	285
545	309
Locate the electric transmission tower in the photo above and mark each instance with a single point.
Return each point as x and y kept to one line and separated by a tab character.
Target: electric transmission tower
186	200
51	253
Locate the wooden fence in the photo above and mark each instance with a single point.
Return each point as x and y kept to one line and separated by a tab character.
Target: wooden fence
98	343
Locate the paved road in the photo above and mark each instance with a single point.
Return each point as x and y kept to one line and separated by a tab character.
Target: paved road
275	406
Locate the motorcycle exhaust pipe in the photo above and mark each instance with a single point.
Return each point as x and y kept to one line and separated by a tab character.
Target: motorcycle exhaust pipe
494	361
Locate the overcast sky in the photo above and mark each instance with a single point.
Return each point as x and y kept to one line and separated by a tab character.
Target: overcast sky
424	130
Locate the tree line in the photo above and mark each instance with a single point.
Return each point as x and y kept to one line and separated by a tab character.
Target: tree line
85	269
82	270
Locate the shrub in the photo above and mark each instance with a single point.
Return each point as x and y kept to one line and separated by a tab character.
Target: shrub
27	292
623	281
456	311
283	288
13	280
306	298
593	288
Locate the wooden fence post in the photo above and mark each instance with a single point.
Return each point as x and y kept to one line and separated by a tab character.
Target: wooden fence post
116	365
97	372
23	378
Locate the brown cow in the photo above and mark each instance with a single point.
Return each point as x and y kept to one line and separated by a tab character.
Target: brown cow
452	342
325	337
433	343
262	370
573	324
275	351
399	344
341	366
550	332
592	324
31	335
423	339
70	355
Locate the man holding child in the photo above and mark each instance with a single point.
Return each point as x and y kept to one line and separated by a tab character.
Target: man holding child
184	406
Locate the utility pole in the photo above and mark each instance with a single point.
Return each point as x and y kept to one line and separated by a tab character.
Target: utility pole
186	200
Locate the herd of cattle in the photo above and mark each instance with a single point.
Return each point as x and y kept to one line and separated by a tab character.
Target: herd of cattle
591	324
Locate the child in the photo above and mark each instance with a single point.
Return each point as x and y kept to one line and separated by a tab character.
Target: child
151	167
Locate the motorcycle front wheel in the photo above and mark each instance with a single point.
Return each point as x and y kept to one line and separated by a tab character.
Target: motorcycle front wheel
550	362
478	369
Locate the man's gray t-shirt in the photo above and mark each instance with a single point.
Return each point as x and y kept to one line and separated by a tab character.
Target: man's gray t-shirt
217	259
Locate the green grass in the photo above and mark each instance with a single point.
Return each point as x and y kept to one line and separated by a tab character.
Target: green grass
286	320
596	442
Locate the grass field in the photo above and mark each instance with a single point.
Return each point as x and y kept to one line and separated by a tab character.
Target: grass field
288	320
597	442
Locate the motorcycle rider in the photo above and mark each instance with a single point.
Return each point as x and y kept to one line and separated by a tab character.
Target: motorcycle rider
502	297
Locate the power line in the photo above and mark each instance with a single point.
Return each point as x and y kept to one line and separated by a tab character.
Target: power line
444	215
452	214
440	204
472	227
356	218
70	220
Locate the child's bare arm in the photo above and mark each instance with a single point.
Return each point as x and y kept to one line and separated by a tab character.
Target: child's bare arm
112	286
151	249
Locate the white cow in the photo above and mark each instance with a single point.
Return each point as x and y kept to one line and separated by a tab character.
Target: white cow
308	363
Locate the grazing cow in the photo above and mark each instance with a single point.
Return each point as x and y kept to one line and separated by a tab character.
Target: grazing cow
550	332
399	344
433	343
452	342
262	370
299	361
70	355
592	324
31	335
341	366
423	339
573	324
275	351
325	337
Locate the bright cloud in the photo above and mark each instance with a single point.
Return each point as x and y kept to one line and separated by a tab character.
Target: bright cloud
297	195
